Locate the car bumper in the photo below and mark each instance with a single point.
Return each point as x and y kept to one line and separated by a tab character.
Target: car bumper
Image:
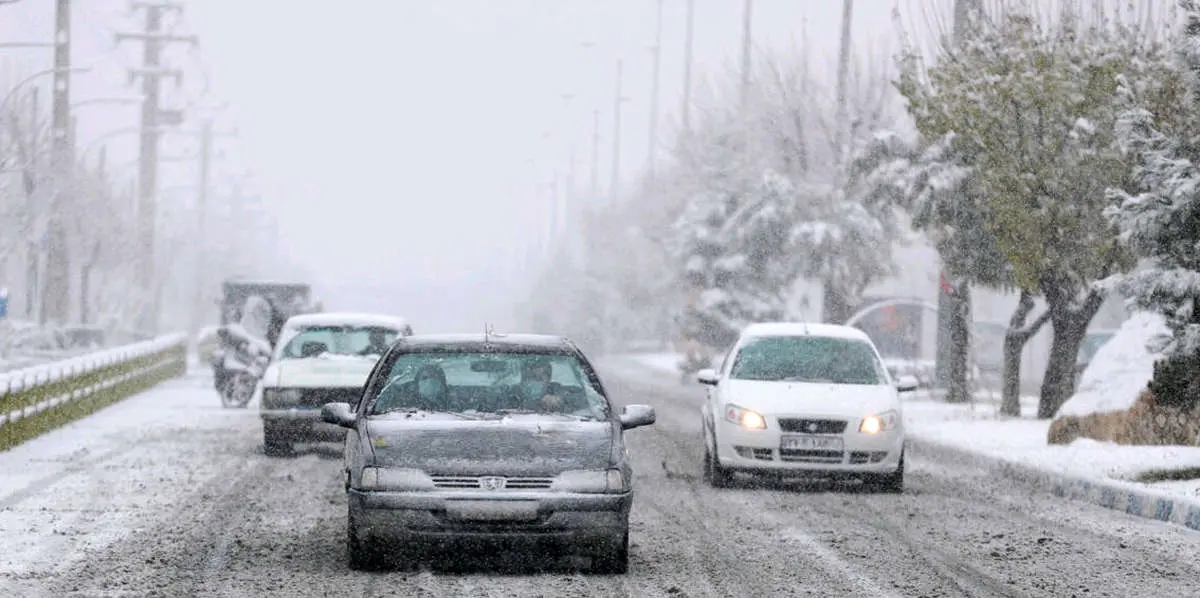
302	424
443	516
760	451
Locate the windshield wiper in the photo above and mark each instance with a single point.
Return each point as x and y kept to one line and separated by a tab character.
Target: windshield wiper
414	411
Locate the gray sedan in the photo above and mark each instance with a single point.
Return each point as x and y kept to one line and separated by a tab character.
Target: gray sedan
484	436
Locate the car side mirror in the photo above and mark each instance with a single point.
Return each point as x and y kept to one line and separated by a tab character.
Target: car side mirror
338	414
636	416
907	384
708	376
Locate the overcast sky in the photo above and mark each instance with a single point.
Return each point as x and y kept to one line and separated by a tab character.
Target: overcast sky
406	146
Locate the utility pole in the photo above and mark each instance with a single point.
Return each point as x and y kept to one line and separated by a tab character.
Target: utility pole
747	44
615	183
57	283
652	157
686	110
152	72
595	182
206	135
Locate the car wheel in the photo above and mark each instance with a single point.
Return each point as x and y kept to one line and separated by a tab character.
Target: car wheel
714	474
891	483
275	443
614	561
363	555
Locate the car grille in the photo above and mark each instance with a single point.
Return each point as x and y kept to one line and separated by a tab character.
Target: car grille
317	397
812	426
475	482
803	456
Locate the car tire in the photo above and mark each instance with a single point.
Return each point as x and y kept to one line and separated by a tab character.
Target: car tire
275	443
614	561
362	555
714	474
891	483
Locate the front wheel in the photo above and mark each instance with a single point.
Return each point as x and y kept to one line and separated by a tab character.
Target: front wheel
716	475
614	561
889	483
275	441
363	554
242	389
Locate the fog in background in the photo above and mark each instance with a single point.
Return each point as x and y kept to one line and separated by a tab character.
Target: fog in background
405	149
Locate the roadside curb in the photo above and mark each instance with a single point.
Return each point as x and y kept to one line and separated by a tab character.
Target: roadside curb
1109	494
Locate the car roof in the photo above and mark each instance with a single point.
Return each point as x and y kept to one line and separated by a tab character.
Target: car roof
480	341
346	318
804	329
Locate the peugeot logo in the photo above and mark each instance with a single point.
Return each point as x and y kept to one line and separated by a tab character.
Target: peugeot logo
812	427
491	483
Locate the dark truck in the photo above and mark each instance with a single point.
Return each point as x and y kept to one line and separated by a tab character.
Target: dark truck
285	299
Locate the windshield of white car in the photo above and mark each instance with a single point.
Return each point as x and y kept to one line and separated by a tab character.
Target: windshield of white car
316	341
818	359
493	383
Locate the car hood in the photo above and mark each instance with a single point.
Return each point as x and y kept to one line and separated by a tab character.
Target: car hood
529	447
317	372
810	399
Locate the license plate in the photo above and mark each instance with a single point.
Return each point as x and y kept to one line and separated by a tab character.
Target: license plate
492	510
807	442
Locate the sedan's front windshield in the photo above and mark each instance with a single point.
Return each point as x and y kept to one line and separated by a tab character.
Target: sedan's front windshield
494	383
315	341
808	359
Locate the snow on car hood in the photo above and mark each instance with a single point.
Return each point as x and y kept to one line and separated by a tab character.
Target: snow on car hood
320	372
810	399
530	447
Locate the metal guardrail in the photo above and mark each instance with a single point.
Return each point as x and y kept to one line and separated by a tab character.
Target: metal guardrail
36	400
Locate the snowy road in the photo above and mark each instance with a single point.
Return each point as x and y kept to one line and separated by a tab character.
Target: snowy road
173	497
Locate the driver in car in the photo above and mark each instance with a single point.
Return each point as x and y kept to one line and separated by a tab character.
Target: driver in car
377	343
537	391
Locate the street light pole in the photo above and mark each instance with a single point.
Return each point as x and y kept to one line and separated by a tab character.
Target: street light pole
652	157
686	109
615	183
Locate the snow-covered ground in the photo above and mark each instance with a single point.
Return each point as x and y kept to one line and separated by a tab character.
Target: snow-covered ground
979	428
118	458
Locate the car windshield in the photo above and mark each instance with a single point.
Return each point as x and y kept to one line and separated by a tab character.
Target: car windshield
808	359
491	383
315	341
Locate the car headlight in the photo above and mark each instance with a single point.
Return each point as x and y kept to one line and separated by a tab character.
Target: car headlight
275	397
383	478
591	481
874	424
745	418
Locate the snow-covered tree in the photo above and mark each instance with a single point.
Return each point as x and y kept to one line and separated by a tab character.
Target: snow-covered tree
1159	214
1032	108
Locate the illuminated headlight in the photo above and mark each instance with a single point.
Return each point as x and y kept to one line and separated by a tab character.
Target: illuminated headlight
745	418
382	478
591	482
874	424
276	397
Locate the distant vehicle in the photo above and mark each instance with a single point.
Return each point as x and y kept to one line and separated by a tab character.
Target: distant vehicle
804	400
507	437
320	358
1092	341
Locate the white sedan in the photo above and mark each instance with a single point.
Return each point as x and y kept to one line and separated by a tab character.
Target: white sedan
320	358
804	399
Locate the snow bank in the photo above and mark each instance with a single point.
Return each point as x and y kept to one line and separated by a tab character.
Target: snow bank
1023	441
1120	369
30	377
